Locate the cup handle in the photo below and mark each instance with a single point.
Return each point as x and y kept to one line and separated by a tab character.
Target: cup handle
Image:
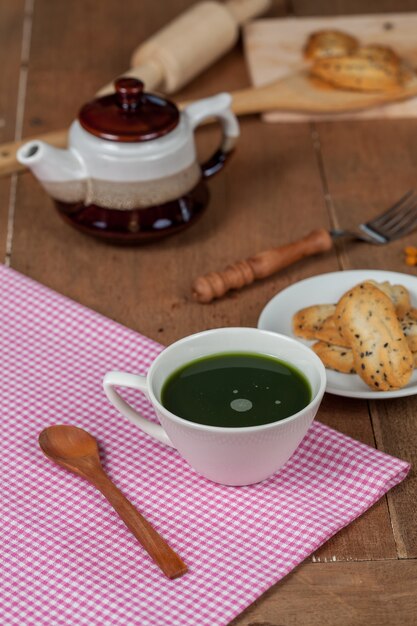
133	381
219	108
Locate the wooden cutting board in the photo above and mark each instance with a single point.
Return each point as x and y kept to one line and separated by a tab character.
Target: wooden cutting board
273	49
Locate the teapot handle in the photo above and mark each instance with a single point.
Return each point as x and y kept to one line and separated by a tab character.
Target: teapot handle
219	108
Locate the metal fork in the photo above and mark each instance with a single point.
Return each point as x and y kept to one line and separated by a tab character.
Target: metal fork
397	221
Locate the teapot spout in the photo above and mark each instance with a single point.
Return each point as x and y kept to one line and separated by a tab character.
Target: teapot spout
61	172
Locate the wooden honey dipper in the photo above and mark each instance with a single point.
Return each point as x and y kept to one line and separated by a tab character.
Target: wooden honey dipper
216	284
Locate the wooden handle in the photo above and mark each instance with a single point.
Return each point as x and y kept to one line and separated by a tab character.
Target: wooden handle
261	99
157	548
217	284
279	96
189	43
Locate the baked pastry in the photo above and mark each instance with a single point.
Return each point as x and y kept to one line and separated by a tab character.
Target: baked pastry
335	357
368	321
340	359
339	59
329	333
409	328
329	43
358	73
308	321
379	54
398	294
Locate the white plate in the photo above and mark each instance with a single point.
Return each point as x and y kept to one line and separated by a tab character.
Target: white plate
328	288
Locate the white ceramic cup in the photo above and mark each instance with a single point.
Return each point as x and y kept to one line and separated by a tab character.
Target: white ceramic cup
231	456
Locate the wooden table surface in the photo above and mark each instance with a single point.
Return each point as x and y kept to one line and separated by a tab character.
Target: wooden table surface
284	180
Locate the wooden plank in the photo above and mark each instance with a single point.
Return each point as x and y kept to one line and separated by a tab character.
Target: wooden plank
339	594
11	32
395	432
370	536
345	7
367	166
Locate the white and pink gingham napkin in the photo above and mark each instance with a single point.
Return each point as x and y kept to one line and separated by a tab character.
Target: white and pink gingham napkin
66	556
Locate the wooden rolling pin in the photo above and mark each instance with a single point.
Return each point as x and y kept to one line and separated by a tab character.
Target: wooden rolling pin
171	58
217	284
190	43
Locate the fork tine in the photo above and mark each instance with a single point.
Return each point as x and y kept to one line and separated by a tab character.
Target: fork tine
405	229
380	219
395	216
399	218
409	214
386	221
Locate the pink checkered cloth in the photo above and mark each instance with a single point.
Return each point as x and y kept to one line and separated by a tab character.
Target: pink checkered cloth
67	557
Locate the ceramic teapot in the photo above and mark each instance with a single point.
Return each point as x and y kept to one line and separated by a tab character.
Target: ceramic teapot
130	173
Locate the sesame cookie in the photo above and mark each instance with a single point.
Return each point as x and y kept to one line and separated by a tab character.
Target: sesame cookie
330	333
335	357
409	328
369	323
329	43
379	54
308	321
398	294
357	73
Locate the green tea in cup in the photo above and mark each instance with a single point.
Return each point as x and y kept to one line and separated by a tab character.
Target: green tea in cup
234	390
235	402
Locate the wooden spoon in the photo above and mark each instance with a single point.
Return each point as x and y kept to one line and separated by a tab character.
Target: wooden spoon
77	451
296	93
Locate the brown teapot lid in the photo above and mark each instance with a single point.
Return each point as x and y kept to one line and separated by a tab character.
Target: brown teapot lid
129	114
